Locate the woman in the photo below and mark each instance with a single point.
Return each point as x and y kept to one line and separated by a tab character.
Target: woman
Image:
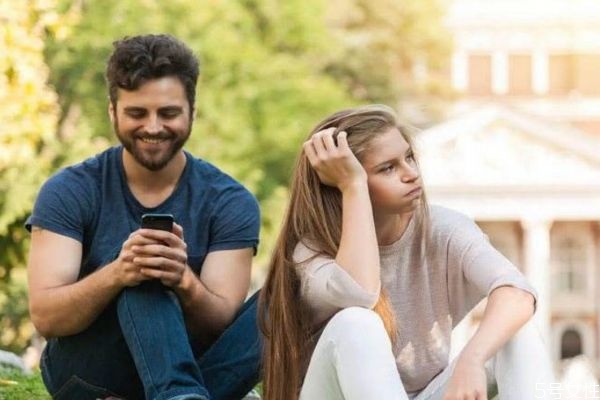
367	282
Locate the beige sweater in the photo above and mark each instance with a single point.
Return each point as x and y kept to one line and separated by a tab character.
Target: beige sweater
430	294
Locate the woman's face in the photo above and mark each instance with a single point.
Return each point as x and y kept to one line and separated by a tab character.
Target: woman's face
393	177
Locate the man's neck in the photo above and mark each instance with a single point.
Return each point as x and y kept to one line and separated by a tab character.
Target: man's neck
151	188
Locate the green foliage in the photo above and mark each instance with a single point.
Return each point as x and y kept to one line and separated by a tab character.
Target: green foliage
383	41
29	110
271	69
262	82
15	327
261	89
16	386
28	118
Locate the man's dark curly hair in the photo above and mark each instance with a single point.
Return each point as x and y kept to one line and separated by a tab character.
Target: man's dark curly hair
137	59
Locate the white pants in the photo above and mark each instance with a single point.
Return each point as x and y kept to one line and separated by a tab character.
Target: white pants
353	360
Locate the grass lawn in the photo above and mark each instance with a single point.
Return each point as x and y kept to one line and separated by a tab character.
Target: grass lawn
16	386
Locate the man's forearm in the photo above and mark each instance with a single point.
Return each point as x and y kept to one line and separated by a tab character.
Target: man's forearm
69	309
206	313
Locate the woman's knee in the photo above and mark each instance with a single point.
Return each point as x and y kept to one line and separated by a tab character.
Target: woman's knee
356	322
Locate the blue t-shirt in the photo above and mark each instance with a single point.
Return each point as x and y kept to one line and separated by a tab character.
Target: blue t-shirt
92	203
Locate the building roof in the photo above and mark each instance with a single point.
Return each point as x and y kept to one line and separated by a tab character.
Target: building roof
523	12
496	160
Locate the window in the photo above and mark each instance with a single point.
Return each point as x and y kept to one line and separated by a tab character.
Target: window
480	74
561	74
571	266
570	344
587	74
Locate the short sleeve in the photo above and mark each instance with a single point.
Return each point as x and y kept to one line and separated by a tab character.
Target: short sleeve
62	206
476	268
236	221
327	287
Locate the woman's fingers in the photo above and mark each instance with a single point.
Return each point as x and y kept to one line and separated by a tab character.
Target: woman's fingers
309	150
319	141
334	162
342	141
329	143
317	147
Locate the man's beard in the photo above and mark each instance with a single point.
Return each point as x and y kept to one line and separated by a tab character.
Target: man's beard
130	140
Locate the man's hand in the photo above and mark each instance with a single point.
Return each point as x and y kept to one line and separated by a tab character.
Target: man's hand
155	254
126	272
468	381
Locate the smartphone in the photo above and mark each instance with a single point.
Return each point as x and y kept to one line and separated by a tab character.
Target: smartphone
163	222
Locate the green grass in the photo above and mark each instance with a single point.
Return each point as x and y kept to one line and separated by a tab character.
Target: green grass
16	386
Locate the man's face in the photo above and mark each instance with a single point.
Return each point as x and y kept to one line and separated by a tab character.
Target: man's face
153	122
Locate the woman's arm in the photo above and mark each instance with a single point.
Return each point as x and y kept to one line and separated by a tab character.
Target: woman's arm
337	166
507	310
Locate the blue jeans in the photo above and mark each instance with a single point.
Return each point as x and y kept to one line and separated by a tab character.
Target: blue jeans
139	349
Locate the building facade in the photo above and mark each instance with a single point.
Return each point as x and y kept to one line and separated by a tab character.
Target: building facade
520	153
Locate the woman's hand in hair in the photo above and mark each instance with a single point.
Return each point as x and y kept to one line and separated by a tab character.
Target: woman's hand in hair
335	164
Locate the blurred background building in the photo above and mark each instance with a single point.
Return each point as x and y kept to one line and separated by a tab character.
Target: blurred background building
517	147
520	153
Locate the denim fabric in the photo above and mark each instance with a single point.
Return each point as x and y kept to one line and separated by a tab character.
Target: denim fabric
231	366
139	349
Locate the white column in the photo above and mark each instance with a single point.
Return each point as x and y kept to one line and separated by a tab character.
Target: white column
596	296
540	72
499	72
460	71
538	270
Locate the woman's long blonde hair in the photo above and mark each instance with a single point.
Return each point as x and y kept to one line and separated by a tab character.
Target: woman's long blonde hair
314	214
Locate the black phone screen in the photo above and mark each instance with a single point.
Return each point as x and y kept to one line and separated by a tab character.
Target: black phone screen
163	222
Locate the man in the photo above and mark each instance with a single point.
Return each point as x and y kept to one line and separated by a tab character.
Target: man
143	313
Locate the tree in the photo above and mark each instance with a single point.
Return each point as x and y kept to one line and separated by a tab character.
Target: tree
270	70
28	118
390	50
262	84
